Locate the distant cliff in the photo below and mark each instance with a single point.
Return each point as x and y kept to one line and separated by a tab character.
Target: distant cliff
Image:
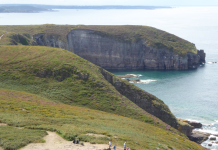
116	47
113	54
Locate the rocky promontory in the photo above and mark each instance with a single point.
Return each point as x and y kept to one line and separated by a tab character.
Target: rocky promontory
115	47
111	53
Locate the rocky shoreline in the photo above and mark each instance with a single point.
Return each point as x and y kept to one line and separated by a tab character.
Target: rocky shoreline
207	140
129	76
192	129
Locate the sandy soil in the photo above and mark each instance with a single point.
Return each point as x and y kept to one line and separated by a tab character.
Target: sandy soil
3	124
55	142
1	36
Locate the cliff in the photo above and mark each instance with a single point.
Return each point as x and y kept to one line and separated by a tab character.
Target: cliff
110	53
146	101
118	47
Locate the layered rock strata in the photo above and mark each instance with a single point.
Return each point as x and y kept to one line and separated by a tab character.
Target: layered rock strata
113	54
110	53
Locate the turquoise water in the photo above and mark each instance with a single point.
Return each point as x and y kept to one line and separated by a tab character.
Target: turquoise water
190	94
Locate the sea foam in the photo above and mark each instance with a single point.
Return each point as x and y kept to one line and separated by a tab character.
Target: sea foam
147	81
213	143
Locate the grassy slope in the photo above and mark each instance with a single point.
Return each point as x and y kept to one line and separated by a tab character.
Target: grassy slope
62	81
34	112
153	37
13	138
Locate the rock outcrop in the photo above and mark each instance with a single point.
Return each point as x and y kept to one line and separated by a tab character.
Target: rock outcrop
198	137
128	76
194	124
50	40
146	101
110	53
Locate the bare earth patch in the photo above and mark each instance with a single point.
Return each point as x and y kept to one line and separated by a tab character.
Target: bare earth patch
3	124
1	36
55	142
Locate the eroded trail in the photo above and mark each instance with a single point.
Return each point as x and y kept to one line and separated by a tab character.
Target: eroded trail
55	142
1	36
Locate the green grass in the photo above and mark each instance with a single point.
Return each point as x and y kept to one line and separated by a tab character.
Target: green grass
62	76
61	81
12	138
151	36
21	109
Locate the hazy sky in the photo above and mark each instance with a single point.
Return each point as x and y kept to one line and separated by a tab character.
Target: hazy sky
116	2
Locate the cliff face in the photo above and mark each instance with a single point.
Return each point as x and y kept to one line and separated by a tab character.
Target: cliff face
113	47
146	101
113	54
50	40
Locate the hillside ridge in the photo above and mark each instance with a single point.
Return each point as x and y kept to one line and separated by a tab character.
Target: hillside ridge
65	77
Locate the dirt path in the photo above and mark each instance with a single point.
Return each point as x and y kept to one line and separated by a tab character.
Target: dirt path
3	124
55	142
1	36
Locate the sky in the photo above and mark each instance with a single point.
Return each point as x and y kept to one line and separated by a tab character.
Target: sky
117	2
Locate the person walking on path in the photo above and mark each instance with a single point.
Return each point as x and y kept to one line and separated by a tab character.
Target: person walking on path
124	145
109	145
114	147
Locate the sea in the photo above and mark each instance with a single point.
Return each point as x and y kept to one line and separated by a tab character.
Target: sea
190	94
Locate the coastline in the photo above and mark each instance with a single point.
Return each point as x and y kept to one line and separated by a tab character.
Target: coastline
203	134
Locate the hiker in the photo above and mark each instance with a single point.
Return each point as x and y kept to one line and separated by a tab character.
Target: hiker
114	147
124	145
74	141
127	148
109	145
77	141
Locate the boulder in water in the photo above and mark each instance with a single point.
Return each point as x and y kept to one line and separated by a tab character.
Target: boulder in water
213	138
135	81
195	124
198	137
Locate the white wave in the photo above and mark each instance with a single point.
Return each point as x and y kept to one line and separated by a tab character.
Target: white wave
193	120
214	62
211	144
208	130
147	81
144	81
135	75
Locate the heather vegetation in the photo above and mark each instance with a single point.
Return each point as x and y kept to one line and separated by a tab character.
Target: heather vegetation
36	115
128	33
64	77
